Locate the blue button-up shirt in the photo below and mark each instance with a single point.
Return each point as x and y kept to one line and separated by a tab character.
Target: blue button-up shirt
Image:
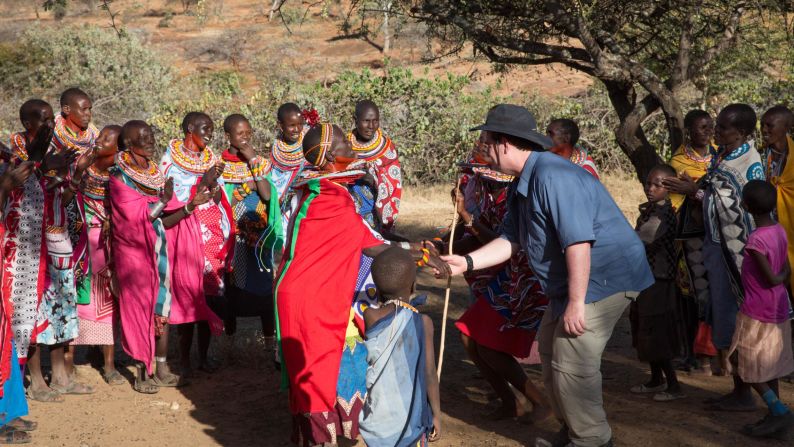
555	204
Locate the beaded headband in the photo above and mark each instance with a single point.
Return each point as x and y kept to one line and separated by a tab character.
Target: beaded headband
326	138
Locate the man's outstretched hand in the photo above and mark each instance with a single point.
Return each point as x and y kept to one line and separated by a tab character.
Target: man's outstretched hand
455	263
440	268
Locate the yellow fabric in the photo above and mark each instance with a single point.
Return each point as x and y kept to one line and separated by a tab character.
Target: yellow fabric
681	163
785	200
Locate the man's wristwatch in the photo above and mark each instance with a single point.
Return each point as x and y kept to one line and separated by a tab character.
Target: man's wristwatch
469	263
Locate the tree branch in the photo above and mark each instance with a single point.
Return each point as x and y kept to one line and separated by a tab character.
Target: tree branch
729	36
493	56
523	46
681	67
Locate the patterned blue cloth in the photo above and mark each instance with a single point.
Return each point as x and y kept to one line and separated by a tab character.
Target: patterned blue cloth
396	412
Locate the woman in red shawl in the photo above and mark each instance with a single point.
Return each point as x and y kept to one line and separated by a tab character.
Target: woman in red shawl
316	281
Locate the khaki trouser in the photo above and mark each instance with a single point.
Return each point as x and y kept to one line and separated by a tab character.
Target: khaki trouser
572	369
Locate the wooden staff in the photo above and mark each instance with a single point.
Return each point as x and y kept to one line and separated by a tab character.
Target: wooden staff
449	280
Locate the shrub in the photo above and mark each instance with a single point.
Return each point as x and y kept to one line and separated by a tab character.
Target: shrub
124	78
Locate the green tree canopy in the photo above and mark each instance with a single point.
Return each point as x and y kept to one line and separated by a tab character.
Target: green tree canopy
647	53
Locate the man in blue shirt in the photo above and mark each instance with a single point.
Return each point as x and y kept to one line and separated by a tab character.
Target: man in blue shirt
585	254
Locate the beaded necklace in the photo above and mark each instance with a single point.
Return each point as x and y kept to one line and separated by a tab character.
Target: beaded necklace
774	162
238	172
95	184
578	156
403	304
371	150
70	139
19	146
193	162
288	157
150	179
343	177
692	155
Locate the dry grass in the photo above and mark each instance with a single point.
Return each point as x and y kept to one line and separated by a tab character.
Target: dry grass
426	211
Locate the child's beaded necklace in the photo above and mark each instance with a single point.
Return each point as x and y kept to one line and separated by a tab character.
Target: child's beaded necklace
403	304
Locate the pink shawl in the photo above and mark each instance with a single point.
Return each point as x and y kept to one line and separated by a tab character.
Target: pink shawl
134	253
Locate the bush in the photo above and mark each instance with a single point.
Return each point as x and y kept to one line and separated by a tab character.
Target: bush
428	119
124	78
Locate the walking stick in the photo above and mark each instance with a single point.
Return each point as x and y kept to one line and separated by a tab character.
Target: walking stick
449	280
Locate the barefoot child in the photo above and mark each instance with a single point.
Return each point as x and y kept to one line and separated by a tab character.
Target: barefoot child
403	407
653	313
188	161
145	253
762	341
96	308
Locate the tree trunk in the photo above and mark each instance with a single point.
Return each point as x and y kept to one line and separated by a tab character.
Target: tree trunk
273	9
629	134
386	30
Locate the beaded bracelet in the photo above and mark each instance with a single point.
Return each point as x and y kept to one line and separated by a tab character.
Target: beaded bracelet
425	258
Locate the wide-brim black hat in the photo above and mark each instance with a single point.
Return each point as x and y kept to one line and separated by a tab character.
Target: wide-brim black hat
516	121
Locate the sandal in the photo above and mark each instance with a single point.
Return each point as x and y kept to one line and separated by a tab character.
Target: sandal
170	381
645	389
668	396
113	378
145	386
23	425
75	388
49	395
9	435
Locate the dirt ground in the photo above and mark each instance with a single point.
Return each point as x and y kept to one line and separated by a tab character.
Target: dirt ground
241	405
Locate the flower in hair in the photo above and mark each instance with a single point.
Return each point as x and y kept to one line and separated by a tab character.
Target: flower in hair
311	116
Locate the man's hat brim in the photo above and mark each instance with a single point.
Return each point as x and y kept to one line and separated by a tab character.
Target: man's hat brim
529	135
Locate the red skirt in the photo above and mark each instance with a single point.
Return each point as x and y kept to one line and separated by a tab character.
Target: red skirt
483	324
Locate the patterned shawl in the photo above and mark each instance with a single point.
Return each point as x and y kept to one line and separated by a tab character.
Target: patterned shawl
727	219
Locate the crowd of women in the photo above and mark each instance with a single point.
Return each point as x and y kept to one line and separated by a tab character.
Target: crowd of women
102	243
